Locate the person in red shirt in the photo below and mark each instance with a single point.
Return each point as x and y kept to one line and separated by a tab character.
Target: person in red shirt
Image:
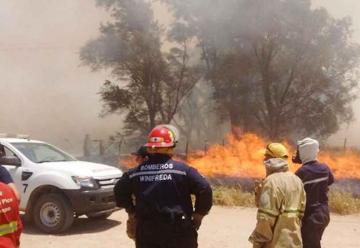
10	222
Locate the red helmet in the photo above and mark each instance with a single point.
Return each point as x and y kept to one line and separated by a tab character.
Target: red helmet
161	136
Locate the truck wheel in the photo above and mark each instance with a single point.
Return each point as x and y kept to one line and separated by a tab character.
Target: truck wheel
53	213
95	216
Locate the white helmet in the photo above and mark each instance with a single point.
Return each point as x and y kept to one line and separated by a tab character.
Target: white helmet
308	150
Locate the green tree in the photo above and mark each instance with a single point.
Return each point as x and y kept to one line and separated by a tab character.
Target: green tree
277	67
150	82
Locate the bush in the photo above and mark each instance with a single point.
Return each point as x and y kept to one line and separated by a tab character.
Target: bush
342	202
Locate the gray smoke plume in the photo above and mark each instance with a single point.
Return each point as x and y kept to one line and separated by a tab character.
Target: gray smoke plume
47	94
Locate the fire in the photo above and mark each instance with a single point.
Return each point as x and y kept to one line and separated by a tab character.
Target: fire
244	158
238	158
128	162
344	165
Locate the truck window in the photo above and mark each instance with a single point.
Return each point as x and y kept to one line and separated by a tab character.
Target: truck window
6	152
41	152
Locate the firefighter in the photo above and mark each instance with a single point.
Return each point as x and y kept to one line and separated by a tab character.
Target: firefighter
6	178
10	223
141	155
272	150
281	203
162	212
316	177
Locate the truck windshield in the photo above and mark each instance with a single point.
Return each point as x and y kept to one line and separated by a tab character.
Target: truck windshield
41	153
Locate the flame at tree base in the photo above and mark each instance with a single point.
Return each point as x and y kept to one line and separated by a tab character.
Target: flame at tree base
244	158
344	164
238	158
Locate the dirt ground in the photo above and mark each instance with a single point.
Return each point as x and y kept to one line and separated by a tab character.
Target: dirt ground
223	228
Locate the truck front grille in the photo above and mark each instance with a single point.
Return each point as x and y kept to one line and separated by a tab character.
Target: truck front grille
107	183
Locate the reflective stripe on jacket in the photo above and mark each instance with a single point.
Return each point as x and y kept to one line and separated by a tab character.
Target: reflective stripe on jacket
281	207
10	222
316	178
8	228
163	187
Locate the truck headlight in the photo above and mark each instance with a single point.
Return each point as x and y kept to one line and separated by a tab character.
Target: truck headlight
85	182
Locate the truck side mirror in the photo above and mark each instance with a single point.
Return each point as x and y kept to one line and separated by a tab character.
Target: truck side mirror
10	161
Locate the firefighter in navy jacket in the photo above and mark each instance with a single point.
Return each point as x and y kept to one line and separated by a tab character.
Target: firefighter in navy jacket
157	196
316	178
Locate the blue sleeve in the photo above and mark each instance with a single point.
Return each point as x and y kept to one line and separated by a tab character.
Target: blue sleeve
300	174
5	176
202	191
123	193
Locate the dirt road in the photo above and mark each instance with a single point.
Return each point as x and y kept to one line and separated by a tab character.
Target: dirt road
223	228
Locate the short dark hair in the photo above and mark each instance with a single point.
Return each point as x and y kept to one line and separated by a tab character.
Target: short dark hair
142	152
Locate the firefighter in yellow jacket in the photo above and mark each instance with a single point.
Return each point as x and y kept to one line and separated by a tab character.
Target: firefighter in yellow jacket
281	203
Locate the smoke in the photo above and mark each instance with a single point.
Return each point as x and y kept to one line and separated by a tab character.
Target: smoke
44	91
248	22
341	9
47	94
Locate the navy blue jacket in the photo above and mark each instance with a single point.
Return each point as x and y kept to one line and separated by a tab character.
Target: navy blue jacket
5	176
316	177
163	186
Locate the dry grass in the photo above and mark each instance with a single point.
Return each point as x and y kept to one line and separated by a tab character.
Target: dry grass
340	202
233	196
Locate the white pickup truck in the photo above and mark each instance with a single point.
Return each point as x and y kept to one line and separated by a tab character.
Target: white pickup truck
55	187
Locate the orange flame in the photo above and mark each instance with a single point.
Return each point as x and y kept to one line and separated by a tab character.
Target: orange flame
244	158
128	162
343	165
238	158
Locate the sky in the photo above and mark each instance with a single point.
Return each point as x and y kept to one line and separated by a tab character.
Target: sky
47	93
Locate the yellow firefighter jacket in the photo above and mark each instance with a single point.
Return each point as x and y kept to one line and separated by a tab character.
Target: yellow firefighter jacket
280	209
